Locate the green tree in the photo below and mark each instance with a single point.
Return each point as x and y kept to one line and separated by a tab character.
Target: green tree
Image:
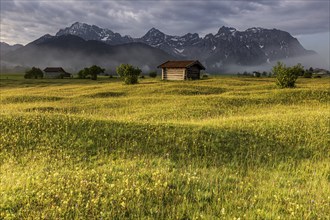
82	74
91	72
285	76
94	71
34	73
128	73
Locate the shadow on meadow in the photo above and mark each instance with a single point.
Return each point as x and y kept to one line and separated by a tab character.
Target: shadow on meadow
23	83
30	99
86	140
193	90
105	94
50	109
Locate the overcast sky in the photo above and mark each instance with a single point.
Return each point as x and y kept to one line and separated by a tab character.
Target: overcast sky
23	21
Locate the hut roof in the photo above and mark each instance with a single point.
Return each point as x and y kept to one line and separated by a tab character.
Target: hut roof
181	64
54	69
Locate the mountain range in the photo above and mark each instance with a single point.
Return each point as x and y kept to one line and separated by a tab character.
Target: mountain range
73	52
94	45
6	48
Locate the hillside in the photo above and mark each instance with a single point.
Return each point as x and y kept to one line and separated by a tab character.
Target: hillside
254	46
75	53
6	48
227	51
223	147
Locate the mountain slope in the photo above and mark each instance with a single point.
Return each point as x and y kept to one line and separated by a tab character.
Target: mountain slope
82	44
75	53
93	32
228	46
6	48
175	45
251	47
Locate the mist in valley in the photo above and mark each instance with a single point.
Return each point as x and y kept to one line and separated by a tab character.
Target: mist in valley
314	60
73	61
138	55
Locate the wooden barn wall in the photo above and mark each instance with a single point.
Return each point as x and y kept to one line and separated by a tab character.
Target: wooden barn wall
173	73
52	74
193	72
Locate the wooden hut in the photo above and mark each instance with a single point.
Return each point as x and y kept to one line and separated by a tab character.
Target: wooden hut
181	69
55	72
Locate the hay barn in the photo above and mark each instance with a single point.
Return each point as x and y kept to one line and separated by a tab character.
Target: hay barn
181	69
55	72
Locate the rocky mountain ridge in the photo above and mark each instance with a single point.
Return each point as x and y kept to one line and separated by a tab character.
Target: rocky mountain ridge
228	47
93	32
253	46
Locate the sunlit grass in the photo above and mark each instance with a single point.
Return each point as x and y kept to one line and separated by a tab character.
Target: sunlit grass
221	148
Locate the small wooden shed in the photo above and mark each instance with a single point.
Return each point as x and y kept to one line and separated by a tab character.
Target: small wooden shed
181	69
55	72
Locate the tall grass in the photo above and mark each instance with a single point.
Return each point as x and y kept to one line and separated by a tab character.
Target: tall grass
222	148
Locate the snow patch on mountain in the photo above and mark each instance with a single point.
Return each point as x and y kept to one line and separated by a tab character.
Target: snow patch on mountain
250	47
179	50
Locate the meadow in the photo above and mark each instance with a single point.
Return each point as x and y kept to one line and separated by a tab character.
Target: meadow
217	148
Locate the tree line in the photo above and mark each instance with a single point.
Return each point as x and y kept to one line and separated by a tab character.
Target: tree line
127	72
285	76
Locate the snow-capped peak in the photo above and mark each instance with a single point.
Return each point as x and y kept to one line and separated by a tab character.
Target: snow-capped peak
93	32
254	29
224	29
154	32
275	43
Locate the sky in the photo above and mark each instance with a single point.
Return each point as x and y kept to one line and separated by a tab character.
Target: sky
23	21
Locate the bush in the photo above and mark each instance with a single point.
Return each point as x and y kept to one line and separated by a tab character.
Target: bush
308	74
153	74
34	73
286	76
130	80
298	70
128	73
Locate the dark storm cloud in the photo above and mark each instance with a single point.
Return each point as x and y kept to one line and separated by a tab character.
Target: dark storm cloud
25	20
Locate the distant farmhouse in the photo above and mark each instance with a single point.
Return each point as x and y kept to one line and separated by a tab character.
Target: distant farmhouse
321	72
55	72
181	70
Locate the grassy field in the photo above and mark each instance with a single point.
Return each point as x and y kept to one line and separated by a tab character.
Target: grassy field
220	148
